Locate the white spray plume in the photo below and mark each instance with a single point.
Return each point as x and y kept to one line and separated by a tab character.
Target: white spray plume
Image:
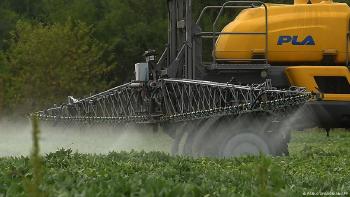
15	139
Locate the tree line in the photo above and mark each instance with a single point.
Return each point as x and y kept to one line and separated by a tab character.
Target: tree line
50	49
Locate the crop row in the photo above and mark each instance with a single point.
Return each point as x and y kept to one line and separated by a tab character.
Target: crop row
316	164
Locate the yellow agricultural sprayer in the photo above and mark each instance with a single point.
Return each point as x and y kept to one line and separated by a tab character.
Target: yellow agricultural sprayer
242	99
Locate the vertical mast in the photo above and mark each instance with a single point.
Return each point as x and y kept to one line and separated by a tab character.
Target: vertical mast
179	54
189	56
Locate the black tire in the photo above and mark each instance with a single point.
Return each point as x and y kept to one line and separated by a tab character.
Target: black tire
183	133
254	135
232	136
200	142
245	143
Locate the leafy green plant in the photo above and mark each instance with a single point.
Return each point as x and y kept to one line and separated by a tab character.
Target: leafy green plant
268	177
33	186
159	174
1	96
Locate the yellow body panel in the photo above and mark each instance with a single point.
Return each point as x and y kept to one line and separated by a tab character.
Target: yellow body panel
304	76
327	23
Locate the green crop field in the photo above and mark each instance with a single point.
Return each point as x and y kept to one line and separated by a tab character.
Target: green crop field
317	165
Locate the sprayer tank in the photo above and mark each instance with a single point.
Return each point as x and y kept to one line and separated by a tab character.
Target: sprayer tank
296	33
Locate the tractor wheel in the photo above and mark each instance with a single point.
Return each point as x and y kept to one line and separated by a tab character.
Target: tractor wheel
245	143
199	138
252	136
192	138
183	134
232	136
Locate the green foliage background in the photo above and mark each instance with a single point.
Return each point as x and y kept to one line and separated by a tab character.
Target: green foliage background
50	49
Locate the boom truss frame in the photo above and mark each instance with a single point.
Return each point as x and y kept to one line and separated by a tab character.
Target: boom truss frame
175	100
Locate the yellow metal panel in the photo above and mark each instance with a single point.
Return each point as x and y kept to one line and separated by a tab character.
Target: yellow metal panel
326	23
303	76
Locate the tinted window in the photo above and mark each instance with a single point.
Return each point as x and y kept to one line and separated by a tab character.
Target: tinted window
333	85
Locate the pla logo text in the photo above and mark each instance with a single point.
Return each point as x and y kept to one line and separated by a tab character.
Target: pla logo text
296	40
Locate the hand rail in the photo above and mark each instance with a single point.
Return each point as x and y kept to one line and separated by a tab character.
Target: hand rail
347	49
215	7
213	35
